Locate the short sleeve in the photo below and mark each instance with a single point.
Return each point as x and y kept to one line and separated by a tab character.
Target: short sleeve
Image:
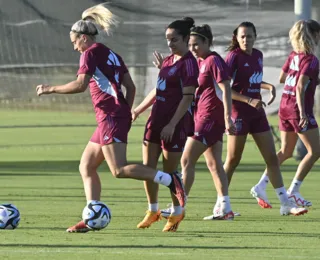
190	73
219	69
88	63
310	68
231	61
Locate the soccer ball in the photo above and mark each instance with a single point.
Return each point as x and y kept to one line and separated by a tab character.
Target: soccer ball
96	215
9	216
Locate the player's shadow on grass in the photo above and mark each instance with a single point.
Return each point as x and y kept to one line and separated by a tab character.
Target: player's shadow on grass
42	246
52	168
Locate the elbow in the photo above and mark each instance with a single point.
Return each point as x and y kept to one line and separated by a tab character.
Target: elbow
81	88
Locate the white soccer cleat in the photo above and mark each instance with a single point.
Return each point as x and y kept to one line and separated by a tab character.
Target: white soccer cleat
165	213
227	216
291	209
221	211
261	196
299	200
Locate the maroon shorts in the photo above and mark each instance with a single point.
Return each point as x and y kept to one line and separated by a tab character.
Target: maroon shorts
177	143
209	130
252	125
292	125
112	129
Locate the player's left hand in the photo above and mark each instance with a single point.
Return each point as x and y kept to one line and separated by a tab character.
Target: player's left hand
43	89
304	121
167	133
273	94
230	127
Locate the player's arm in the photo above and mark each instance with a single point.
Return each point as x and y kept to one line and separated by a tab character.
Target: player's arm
168	130
300	93
227	102
130	88
145	104
271	88
187	98
77	86
282	77
256	103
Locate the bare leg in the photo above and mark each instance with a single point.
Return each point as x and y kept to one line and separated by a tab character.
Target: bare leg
266	146
310	139
151	153
288	143
170	164
235	146
213	157
91	158
192	151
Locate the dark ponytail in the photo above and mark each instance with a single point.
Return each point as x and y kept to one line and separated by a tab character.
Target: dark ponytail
182	26
234	44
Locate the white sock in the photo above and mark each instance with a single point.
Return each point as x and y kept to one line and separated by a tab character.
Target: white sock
154	207
295	186
282	195
176	210
264	180
89	201
163	178
225	202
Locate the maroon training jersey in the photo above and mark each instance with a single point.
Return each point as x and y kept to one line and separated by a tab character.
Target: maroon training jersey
296	65
107	69
247	73
213	70
172	78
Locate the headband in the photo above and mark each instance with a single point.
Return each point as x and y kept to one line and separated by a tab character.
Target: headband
195	33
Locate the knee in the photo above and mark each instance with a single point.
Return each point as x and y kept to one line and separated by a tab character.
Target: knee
85	168
186	163
118	172
315	154
233	160
287	154
212	166
272	160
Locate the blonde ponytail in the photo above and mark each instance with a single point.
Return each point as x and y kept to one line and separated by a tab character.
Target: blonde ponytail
102	17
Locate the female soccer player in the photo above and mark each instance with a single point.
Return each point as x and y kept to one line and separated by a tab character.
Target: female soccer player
246	65
167	127
300	77
212	116
104	71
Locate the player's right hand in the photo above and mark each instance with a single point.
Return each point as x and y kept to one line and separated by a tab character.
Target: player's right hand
159	59
43	89
257	103
134	115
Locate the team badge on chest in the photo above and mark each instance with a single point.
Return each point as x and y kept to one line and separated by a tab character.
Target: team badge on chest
203	69
172	71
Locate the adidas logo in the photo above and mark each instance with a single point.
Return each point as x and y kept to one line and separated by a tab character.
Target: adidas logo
246	65
176	146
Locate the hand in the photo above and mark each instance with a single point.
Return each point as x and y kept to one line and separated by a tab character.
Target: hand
134	115
167	133
230	127
303	121
272	95
256	103
43	89
159	59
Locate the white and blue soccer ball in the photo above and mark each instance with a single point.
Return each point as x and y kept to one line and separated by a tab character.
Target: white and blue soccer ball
96	215
9	216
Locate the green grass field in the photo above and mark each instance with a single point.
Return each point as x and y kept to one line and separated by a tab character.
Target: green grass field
39	156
